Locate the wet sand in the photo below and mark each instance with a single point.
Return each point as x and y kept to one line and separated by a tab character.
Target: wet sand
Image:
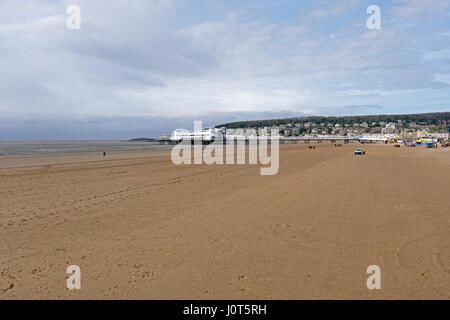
140	227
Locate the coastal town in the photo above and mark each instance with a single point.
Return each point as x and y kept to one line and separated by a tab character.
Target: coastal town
399	129
434	129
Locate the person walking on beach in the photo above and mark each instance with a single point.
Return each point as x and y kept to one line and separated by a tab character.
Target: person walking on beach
104	154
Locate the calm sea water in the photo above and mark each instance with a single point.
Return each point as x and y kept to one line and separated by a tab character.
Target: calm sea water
12	148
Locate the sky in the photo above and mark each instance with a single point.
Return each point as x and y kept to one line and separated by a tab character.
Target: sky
141	68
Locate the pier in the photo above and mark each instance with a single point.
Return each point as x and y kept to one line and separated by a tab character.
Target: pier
166	139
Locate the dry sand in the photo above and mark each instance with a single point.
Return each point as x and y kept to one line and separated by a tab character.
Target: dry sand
140	227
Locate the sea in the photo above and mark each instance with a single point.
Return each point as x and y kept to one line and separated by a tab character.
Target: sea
14	148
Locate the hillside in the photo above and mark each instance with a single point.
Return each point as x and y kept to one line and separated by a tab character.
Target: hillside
436	118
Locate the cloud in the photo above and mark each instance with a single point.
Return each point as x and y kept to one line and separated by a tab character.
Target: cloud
419	8
145	60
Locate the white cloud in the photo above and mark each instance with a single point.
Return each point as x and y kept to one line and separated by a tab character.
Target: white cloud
419	8
135	58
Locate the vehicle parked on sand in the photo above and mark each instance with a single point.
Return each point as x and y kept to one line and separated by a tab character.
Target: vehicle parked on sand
360	152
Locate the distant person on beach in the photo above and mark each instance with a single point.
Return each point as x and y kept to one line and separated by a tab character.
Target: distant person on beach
104	154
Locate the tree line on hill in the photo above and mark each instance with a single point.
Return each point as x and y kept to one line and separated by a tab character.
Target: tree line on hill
435	118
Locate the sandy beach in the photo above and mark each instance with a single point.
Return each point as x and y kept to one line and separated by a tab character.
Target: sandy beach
141	227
